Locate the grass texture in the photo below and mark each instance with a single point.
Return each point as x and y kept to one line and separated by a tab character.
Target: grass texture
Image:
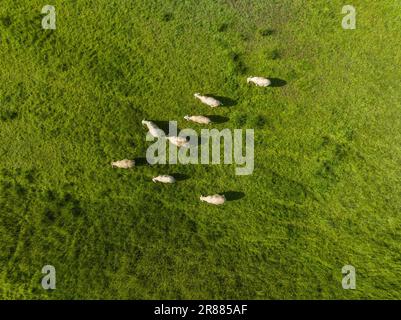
326	190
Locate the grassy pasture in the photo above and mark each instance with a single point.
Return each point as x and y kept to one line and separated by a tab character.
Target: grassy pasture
326	190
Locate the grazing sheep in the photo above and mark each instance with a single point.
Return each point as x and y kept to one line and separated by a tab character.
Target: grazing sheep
216	199
198	119
259	81
178	141
154	130
164	179
123	164
212	102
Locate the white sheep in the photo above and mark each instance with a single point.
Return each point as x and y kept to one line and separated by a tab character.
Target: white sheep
198	119
123	164
178	141
216	199
259	81
154	130
164	179
211	102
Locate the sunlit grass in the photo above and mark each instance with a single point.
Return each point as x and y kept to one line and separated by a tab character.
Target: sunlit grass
326	188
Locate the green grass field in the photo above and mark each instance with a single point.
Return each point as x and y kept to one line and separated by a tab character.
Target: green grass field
325	192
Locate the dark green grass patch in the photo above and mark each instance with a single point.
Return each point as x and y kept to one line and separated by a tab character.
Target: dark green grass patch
326	187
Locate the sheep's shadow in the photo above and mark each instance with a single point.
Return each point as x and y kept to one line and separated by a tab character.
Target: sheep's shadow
180	176
233	195
218	119
276	82
227	102
140	162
